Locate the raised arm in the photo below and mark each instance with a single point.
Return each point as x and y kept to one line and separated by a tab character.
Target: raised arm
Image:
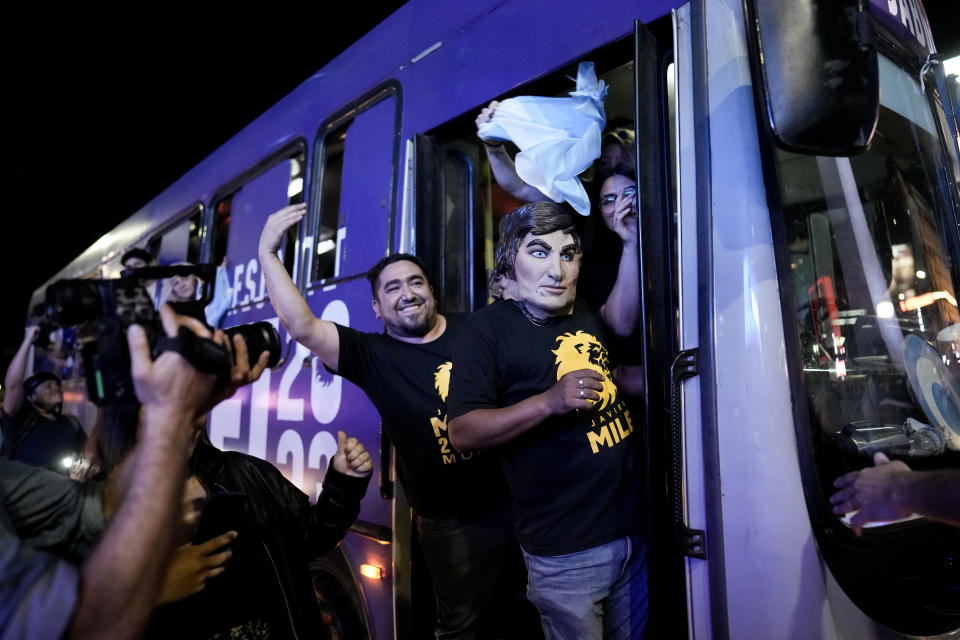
504	171
318	335
486	428
122	578
622	308
345	484
13	382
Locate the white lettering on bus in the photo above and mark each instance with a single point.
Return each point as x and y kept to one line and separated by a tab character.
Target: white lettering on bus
290	408
260	409
290	451
237	275
325	396
225	421
323	447
252	269
263	287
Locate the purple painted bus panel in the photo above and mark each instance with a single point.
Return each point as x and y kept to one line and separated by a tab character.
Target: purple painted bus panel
907	20
290	416
173	244
465	76
249	209
377	594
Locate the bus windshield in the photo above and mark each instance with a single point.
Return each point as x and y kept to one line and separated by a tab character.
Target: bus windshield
872	262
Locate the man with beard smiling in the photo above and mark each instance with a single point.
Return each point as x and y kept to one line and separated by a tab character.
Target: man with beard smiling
459	500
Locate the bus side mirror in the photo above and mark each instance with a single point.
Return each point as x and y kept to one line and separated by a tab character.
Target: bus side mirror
815	73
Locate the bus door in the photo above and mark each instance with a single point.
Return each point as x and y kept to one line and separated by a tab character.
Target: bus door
818	276
180	240
458	208
453	232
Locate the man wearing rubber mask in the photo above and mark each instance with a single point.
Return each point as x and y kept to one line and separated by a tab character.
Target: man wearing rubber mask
532	380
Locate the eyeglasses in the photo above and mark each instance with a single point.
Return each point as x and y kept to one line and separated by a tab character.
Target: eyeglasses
608	201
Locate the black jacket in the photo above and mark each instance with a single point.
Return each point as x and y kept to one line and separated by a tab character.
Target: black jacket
292	532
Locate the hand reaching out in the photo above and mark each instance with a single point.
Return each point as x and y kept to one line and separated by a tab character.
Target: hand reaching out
870	492
168	383
486	114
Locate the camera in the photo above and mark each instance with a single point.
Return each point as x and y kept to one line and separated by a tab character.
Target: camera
102	310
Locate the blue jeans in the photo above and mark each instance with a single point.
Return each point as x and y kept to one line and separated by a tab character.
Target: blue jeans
599	593
478	577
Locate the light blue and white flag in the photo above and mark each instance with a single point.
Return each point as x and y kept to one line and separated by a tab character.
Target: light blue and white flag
558	138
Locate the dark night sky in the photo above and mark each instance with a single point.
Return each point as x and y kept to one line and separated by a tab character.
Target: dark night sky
105	116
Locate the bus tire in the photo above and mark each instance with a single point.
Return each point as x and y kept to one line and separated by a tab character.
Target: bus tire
338	594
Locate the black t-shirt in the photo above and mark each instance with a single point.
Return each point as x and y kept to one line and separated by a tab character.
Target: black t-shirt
408	383
575	478
33	439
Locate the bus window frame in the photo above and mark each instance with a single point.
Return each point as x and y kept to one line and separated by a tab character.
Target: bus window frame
287	151
348	112
175	221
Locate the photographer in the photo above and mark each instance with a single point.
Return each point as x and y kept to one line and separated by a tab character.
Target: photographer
258	586
34	429
112	594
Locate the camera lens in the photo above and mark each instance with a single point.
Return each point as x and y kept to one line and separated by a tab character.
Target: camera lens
260	337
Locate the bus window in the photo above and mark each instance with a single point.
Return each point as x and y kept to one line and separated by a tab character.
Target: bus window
181	242
325	240
356	178
458	245
240	214
871	258
457	224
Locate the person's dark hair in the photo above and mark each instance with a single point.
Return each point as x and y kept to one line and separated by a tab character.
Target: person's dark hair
620	170
373	275
117	433
30	384
538	218
136	252
619	135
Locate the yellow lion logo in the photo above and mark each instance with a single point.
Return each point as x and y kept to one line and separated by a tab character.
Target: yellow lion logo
441	379
582	351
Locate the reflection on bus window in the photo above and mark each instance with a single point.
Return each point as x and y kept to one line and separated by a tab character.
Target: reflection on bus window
457	239
325	241
356	175
180	242
221	229
871	264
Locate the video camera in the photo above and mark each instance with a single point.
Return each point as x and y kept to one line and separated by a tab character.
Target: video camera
101	311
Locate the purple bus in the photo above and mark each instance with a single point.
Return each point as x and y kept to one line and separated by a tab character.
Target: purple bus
798	188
